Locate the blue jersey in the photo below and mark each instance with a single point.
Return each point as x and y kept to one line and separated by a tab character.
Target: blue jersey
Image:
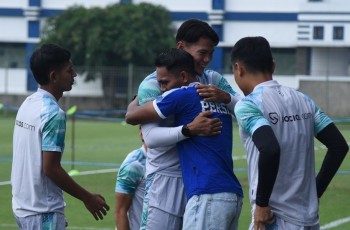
206	162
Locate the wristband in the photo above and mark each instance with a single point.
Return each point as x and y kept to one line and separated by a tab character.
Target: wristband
186	131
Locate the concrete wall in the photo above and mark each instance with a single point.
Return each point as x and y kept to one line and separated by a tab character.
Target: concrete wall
332	96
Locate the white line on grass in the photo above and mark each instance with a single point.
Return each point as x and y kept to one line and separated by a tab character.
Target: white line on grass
79	174
98	171
335	223
235	158
7	226
5	182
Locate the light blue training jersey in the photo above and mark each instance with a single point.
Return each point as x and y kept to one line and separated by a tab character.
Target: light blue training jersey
295	120
131	181
40	126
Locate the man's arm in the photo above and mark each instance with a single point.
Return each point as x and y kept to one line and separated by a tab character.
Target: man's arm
218	91
156	136
337	147
213	94
269	149
122	205
52	168
141	114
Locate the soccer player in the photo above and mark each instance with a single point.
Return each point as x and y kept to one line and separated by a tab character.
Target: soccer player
163	172
130	189
278	125
37	176
213	192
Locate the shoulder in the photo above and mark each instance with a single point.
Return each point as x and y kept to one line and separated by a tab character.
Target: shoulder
51	110
212	73
210	77
179	92
133	159
245	104
148	89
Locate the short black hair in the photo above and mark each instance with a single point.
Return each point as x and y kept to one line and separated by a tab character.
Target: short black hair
176	60
193	29
47	58
254	53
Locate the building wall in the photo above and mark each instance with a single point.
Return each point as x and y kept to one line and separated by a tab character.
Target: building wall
287	24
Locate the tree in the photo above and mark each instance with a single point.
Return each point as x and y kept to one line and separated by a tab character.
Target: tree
116	35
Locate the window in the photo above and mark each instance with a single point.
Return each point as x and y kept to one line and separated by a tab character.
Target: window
338	32
318	32
12	55
285	59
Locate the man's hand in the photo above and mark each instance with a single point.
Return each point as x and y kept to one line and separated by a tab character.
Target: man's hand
204	126
262	216
211	93
97	206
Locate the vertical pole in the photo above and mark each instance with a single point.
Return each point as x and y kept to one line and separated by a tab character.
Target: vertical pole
73	139
130	83
6	90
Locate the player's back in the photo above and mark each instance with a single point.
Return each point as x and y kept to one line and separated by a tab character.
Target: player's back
291	115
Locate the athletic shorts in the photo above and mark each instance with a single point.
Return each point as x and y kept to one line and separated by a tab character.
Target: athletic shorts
164	202
281	224
44	221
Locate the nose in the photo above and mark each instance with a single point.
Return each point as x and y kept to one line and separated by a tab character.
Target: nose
207	58
163	88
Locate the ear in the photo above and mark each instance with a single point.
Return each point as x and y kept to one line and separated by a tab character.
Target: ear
184	77
52	76
180	45
238	69
273	66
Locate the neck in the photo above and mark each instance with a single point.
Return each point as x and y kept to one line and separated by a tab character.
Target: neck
256	79
55	93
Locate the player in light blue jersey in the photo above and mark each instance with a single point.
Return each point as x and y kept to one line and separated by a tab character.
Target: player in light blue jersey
37	177
130	189
162	165
278	125
213	192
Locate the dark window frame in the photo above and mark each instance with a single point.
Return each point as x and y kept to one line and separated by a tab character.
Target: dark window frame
318	33
338	33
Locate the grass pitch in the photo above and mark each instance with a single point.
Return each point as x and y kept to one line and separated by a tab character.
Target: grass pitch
99	148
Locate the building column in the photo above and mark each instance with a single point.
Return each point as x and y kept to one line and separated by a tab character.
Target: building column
216	20
32	13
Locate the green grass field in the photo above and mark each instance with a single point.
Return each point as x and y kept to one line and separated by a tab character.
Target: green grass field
101	145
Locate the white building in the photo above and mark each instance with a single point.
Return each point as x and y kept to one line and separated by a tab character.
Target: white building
308	37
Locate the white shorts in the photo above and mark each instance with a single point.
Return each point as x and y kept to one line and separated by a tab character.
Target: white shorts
164	202
44	221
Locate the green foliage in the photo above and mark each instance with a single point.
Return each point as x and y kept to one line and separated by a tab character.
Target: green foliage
112	36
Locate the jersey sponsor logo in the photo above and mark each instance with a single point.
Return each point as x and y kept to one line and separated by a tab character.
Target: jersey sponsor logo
214	107
274	117
25	125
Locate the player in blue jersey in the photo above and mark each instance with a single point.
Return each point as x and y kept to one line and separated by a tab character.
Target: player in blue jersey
163	172
130	189
213	192
37	176
278	125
